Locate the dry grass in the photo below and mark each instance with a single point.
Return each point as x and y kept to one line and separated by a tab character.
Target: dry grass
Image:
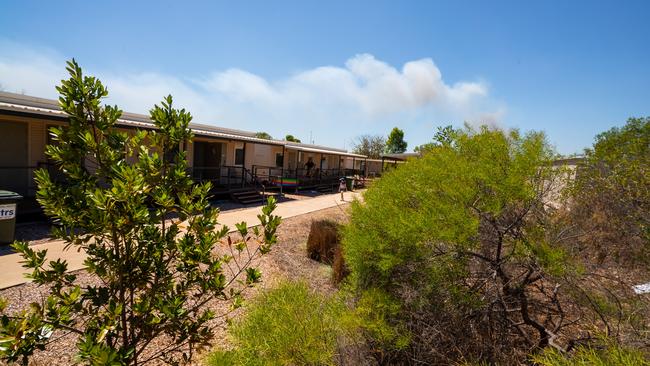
324	245
339	268
323	240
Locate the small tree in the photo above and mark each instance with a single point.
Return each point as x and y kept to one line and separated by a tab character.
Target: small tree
444	136
395	143
149	234
611	194
457	256
291	138
263	135
370	146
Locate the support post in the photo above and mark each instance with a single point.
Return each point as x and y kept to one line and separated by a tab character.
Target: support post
243	168
320	169
365	167
282	171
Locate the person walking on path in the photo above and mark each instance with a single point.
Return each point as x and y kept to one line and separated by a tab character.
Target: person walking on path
342	187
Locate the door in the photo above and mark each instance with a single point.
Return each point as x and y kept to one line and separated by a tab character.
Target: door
209	157
14	171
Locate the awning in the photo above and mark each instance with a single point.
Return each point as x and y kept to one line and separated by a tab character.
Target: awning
324	151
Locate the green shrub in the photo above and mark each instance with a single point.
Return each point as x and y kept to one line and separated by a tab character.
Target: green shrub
152	275
610	194
457	251
289	325
612	355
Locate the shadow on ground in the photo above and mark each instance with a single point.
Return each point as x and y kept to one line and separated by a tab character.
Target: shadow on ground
35	228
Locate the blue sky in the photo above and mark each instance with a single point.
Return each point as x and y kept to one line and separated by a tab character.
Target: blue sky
338	69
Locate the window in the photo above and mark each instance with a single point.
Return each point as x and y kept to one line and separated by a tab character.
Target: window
239	156
279	160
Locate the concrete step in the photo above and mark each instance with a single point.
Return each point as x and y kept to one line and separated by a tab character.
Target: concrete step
247	196
325	188
250	201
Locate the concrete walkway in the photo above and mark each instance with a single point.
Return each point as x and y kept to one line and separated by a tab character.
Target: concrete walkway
12	272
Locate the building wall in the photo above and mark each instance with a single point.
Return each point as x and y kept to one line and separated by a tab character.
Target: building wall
373	167
255	154
352	163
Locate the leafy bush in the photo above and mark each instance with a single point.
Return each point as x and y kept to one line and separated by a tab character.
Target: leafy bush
611	194
149	234
611	355
456	256
289	325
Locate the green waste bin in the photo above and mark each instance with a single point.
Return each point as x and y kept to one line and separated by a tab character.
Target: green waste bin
349	183
8	203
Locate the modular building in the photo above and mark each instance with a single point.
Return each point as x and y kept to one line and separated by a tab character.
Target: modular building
233	160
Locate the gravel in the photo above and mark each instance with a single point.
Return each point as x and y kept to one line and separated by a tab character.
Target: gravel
287	260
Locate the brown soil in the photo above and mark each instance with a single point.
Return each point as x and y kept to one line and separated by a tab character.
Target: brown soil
287	260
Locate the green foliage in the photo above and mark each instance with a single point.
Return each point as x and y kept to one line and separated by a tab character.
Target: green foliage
395	142
291	138
374	309
289	325
444	136
612	189
611	355
149	234
433	199
263	135
452	235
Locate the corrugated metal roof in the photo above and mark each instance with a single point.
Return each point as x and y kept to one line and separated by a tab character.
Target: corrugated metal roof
312	146
28	104
324	151
400	156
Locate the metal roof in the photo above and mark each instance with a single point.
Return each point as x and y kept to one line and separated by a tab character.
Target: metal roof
312	146
34	105
400	156
322	150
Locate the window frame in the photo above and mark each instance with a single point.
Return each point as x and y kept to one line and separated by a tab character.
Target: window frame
243	156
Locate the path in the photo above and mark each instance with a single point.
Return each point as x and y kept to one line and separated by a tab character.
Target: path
12	272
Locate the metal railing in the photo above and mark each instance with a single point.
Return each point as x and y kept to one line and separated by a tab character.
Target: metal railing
266	173
223	177
20	179
301	177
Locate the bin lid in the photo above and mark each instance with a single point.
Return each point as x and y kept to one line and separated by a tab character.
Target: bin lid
8	195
